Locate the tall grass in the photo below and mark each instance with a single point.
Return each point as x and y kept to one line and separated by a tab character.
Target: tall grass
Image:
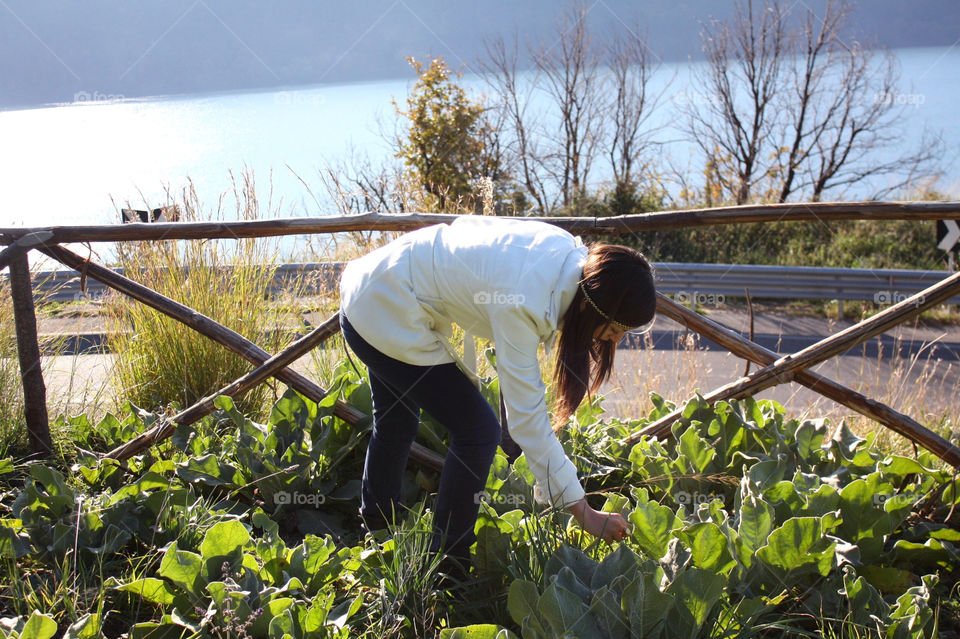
13	437
13	428
162	363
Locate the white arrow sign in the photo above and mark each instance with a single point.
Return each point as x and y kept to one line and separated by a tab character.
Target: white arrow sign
953	234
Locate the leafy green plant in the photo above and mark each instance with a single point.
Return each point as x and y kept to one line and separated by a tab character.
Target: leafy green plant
447	142
257	588
745	523
35	626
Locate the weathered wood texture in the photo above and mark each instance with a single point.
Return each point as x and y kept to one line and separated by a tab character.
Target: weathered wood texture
878	411
222	335
21	246
785	368
618	225
28	352
237	388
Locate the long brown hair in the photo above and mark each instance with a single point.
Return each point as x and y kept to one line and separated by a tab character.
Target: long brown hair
618	282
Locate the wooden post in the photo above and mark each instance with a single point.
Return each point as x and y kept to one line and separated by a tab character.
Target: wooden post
28	350
224	336
786	367
21	246
751	351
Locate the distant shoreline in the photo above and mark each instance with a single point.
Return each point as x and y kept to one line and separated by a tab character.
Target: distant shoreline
253	89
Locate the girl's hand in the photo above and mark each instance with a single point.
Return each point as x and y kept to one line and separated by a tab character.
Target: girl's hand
610	527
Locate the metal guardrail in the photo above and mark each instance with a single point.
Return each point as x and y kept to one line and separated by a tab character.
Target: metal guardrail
64	285
687	283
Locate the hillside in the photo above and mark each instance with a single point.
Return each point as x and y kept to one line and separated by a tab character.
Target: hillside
55	51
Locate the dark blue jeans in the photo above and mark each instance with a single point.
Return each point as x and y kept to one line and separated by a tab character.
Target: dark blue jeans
400	390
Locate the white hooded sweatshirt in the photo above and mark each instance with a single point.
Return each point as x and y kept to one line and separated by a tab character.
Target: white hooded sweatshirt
506	280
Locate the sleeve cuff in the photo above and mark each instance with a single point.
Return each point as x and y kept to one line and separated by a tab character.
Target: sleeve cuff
564	488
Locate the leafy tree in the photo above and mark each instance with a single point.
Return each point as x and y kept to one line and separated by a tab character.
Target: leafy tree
449	143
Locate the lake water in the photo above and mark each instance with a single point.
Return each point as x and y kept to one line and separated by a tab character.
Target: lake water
75	164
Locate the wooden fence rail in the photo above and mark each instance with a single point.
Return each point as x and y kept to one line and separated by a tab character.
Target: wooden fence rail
776	369
618	225
224	336
744	348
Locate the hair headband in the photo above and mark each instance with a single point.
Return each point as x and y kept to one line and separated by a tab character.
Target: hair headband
601	313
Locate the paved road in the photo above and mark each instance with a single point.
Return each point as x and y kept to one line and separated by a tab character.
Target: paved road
925	389
914	369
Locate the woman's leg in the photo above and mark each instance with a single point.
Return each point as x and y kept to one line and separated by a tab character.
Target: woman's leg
474	436
452	399
395	420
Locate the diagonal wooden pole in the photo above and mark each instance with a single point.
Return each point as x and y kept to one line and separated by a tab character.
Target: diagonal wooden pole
235	389
786	367
878	411
222	335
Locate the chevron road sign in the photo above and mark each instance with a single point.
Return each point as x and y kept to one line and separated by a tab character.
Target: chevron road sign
948	232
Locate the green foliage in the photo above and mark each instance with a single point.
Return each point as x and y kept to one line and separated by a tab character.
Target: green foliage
892	244
478	631
749	524
260	587
35	626
854	244
446	145
745	523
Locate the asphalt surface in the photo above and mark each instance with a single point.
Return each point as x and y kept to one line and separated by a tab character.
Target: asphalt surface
915	369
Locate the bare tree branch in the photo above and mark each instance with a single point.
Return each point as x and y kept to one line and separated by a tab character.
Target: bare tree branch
735	115
520	151
573	81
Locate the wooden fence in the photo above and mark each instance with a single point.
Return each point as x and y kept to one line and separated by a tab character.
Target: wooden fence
776	368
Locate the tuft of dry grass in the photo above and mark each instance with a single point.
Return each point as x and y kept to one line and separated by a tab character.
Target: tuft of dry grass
13	436
160	362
